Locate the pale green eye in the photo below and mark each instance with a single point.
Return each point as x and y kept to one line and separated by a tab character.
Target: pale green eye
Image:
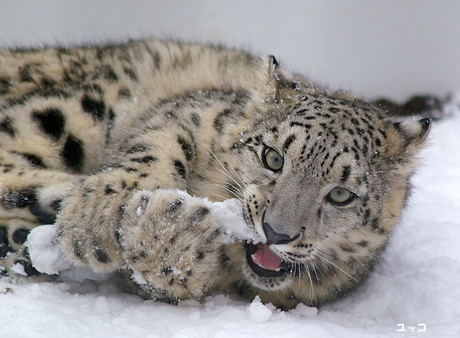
272	160
340	196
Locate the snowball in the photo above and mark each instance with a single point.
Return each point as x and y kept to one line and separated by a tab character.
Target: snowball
258	312
45	252
229	216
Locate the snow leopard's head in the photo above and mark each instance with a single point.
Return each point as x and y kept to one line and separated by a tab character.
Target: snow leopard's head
325	177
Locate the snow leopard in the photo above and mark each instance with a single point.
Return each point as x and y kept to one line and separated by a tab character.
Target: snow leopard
122	146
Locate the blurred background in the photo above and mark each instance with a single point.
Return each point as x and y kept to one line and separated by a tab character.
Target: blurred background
387	48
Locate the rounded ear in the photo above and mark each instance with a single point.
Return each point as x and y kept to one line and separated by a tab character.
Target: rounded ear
415	132
405	138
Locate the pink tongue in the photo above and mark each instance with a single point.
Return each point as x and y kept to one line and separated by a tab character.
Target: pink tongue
266	258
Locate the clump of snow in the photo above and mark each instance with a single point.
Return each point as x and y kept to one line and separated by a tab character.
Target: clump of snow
138	278
306	311
45	252
258	312
229	216
19	269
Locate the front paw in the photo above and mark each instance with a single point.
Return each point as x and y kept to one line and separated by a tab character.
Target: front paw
171	244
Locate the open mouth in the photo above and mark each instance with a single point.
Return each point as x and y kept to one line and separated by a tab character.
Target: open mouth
264	262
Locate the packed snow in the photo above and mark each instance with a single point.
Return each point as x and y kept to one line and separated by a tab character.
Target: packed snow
413	292
229	215
44	250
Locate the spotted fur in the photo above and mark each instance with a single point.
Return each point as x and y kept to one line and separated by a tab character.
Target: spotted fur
119	145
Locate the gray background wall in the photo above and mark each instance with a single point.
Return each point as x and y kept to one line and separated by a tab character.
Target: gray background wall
392	48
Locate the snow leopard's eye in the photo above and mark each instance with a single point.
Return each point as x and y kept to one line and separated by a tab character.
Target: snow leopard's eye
272	160
340	196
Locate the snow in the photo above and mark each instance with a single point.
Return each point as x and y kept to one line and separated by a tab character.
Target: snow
413	292
229	216
258	312
19	269
44	252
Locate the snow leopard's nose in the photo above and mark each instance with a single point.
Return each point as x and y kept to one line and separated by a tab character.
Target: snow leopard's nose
276	238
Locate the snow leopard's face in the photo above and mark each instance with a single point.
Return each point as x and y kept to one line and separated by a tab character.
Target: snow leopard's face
324	185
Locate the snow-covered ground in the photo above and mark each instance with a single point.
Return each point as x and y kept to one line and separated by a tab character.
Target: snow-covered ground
413	292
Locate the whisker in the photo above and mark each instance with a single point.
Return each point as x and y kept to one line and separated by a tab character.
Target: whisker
237	194
222	197
319	256
316	267
223	167
226	186
297	266
335	257
230	177
300	275
233	169
310	295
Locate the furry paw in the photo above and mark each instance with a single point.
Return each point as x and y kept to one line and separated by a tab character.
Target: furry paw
171	244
